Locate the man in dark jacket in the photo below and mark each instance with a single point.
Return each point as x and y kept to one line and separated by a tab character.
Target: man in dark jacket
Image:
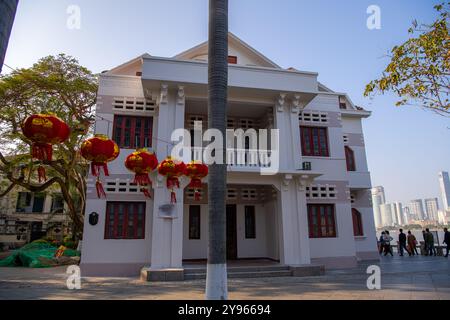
447	240
430	241
402	243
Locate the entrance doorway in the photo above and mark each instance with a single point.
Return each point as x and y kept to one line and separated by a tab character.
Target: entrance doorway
232	232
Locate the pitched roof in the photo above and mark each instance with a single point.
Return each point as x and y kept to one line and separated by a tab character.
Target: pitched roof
233	41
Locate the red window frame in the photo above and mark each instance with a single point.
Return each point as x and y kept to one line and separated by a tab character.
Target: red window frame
358	230
125	220
321	221
232	59
314	141
131	132
350	159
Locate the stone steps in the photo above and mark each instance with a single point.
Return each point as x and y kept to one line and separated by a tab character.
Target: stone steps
242	272
199	273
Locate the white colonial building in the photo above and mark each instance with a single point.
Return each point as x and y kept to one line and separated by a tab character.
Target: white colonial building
315	210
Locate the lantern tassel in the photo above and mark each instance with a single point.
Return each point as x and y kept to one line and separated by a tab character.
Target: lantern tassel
195	183
100	190
42	152
147	193
142	179
197	195
173	197
97	167
173	182
41	174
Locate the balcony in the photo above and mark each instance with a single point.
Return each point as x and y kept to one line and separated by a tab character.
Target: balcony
245	160
359	180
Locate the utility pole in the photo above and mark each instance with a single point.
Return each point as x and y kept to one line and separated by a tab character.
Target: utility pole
216	279
7	13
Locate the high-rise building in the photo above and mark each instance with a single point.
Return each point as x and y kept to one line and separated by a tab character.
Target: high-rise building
386	215
394	214
406	215
416	207
378	198
444	184
432	207
399	214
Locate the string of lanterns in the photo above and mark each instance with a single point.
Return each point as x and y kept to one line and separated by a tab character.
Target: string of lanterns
44	131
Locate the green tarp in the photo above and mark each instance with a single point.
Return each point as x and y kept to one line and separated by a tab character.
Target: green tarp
36	255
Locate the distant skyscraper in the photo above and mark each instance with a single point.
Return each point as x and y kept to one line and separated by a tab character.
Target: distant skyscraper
432	207
444	184
394	214
399	214
407	214
386	215
378	198
416	207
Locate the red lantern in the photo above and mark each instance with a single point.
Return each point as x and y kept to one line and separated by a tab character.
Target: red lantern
142	162
99	150
44	130
172	169
196	171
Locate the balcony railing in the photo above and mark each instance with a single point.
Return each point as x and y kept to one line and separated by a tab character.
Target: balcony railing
241	158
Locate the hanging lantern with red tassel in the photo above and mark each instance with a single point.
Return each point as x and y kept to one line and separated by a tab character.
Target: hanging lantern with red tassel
44	130
196	171
172	170
142	162
99	150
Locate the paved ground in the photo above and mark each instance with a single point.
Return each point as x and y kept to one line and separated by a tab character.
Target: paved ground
403	278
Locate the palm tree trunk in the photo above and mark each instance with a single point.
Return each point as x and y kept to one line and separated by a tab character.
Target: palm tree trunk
7	14
216	280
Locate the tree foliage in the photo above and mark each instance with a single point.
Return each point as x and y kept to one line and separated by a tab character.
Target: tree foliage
58	85
419	70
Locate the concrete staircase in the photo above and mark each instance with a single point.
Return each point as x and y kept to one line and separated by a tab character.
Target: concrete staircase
258	272
242	272
198	272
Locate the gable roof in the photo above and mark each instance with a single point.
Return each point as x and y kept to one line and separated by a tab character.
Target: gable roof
128	64
202	49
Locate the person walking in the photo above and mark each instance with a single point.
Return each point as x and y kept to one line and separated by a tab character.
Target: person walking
381	243
412	244
402	243
431	248
387	244
447	240
425	241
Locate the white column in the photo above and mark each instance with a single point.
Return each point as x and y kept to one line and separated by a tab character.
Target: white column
167	233
282	122
295	132
294	246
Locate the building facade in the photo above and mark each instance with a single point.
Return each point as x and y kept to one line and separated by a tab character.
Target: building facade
315	209
432	208
26	216
417	210
444	185
387	215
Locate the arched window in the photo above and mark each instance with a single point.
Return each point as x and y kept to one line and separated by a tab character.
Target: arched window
357	223
350	157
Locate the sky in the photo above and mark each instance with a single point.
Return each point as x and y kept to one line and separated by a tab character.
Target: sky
406	147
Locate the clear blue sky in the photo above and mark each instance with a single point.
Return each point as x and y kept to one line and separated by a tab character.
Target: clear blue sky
406	146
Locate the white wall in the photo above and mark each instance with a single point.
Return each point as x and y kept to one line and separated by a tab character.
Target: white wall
344	244
98	250
261	247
